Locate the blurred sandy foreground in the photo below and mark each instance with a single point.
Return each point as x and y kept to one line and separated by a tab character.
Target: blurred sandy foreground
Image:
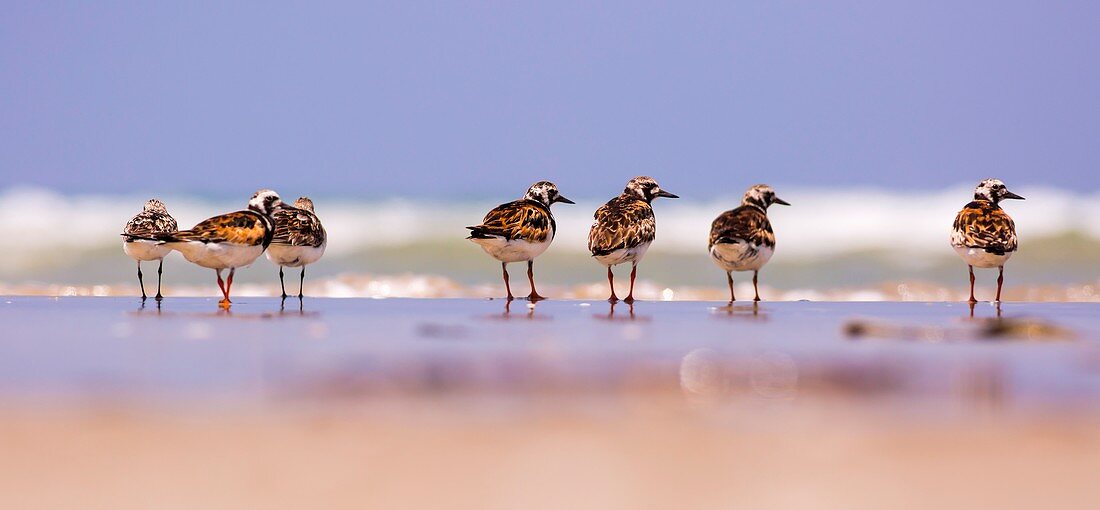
640	450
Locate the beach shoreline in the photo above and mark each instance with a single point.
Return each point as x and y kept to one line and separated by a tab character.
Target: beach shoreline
353	285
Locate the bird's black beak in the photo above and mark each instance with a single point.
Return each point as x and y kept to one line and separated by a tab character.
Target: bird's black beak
1009	194
665	194
563	200
780	201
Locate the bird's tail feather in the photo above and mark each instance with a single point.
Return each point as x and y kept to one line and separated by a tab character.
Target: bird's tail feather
480	232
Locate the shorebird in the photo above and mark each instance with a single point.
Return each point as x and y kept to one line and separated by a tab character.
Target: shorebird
520	231
230	240
742	239
299	239
137	243
624	228
984	235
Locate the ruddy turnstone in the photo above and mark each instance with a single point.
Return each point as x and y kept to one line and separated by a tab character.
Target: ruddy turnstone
137	242
984	235
742	239
228	241
299	239
624	229
520	230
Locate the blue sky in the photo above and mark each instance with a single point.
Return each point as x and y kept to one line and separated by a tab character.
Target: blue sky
480	99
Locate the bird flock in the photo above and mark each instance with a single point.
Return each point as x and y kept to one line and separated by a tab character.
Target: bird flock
291	235
623	229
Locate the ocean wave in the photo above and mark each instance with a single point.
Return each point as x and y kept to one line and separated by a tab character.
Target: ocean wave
42	227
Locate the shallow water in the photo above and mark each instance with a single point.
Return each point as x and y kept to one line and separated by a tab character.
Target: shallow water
1035	356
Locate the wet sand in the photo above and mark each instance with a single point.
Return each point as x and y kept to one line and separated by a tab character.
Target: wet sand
472	404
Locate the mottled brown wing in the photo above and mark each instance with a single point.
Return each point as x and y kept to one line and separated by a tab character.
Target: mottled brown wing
522	219
149	223
242	227
982	224
297	227
744	224
621	223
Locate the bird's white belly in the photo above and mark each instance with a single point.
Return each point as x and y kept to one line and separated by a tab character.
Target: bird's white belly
978	257
294	256
218	255
516	250
740	256
145	250
619	256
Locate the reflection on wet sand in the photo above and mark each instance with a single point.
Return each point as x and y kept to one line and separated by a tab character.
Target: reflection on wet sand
163	308
142	307
530	307
996	304
740	311
611	314
301	305
302	312
224	312
802	349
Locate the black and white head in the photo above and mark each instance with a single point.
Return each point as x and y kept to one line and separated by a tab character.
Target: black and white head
154	205
265	202
304	203
762	196
545	193
994	191
646	188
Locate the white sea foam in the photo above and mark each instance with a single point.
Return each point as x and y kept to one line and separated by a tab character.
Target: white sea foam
41	227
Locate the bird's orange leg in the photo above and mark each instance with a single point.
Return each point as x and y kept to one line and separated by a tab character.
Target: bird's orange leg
534	296
507	286
611	283
972	300
755	277
1000	282
633	273
221	285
